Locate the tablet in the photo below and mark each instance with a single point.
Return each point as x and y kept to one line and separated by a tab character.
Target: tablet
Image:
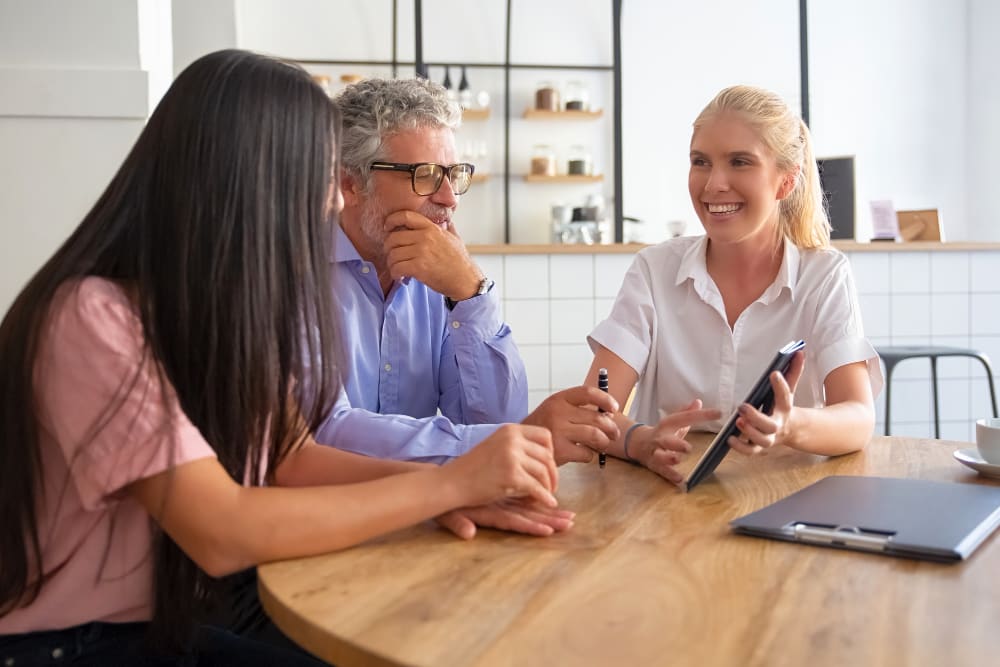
761	396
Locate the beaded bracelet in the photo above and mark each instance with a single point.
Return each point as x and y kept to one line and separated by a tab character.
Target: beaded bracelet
628	436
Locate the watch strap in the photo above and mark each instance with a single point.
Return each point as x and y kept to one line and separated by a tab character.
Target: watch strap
485	285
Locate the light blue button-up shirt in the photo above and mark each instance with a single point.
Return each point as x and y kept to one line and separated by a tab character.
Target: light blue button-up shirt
406	357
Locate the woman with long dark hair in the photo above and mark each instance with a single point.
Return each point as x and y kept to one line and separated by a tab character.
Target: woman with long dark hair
151	413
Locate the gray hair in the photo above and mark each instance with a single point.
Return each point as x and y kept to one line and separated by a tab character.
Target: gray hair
374	109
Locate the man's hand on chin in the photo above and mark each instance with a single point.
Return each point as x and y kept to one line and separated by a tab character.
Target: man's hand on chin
431	252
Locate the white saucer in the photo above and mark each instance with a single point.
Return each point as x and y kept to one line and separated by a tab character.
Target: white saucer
971	458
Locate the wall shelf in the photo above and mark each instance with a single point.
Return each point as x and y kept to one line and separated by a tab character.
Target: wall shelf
475	114
506	112
564	178
479	178
542	114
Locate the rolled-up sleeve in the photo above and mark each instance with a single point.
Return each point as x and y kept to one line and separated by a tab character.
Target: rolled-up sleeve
482	376
630	328
838	334
429	439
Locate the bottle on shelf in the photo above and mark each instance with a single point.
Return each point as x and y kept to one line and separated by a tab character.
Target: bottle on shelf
579	163
543	161
464	92
577	97
547	97
347	80
447	83
323	81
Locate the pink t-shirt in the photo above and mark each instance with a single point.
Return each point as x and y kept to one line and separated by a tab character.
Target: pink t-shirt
96	540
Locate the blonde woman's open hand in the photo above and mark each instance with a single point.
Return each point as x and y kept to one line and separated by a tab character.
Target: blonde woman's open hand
663	447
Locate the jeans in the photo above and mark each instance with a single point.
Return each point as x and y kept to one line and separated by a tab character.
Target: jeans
114	644
241	635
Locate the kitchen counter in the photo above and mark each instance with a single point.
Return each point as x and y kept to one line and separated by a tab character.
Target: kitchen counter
632	248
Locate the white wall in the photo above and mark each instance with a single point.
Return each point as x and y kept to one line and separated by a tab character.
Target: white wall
675	57
907	86
983	128
887	85
567	32
74	97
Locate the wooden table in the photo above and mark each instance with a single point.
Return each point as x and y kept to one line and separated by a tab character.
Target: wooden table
650	576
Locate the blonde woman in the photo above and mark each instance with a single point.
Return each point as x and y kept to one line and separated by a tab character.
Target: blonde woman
697	318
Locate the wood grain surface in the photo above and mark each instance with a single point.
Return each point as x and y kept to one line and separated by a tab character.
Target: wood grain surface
651	576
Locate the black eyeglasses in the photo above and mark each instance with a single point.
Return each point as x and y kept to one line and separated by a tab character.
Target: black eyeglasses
427	177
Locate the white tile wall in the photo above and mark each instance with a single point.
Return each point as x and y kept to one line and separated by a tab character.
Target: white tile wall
536	364
949	314
529	320
571	276
492	266
910	272
984	270
609	271
986	314
871	272
570	364
570	320
527	276
949	272
911	315
907	298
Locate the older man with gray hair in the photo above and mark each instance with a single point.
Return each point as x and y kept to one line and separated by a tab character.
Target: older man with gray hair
429	366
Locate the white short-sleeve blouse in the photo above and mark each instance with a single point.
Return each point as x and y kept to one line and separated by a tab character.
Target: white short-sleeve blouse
669	324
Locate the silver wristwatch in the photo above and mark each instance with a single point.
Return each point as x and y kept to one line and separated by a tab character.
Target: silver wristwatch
485	285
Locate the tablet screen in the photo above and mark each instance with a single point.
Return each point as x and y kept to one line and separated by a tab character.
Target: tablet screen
761	396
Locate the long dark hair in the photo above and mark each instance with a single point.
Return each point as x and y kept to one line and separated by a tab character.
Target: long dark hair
218	221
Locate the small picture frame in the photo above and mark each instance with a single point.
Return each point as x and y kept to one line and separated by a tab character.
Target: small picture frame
922	225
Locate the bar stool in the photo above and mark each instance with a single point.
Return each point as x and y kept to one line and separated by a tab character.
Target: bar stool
892	355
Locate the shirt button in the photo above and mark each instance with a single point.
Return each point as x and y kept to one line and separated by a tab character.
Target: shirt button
9	662
388	367
57	653
455	325
365	269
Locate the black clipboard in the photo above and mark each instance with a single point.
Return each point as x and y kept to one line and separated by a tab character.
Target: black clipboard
761	396
912	518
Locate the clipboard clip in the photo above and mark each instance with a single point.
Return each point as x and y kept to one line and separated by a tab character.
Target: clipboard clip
842	536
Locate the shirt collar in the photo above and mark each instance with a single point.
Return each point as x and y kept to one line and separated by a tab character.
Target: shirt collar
693	264
694	267
344	251
788	273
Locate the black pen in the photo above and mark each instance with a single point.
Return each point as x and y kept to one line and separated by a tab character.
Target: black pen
602	384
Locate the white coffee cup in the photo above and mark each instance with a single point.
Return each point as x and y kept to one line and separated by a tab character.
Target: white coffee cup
988	439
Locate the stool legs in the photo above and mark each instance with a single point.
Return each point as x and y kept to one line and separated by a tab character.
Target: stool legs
934	390
889	365
989	378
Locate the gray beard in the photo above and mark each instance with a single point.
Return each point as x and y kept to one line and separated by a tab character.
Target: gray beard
372	227
373	223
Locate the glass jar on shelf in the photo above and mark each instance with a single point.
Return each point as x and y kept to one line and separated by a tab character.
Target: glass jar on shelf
547	97
579	163
577	97
543	160
323	81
